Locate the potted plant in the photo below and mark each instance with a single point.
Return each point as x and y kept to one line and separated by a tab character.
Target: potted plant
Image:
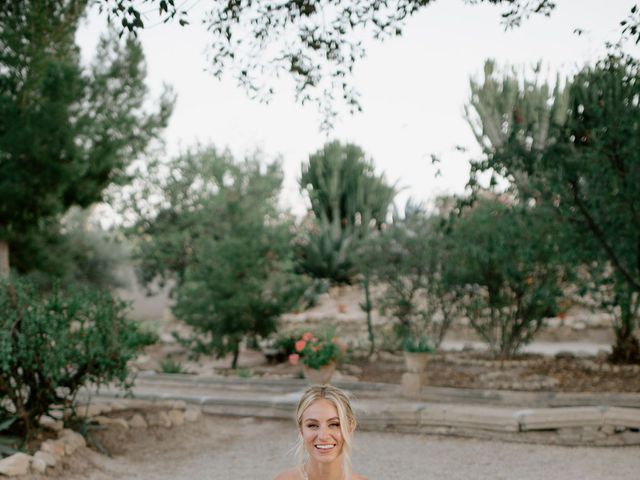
319	355
416	353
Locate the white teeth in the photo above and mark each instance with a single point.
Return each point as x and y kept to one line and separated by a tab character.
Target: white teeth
324	447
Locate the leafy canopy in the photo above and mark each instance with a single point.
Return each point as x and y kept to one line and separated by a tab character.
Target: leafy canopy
316	43
66	133
216	231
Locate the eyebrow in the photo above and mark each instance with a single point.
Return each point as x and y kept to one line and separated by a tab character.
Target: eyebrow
314	420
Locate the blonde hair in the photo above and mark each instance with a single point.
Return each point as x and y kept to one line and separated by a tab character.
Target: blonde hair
341	402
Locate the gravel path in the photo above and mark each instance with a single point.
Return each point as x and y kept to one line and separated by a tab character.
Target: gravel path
222	448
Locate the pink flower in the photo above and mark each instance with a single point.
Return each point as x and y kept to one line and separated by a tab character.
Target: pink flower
307	336
293	359
300	345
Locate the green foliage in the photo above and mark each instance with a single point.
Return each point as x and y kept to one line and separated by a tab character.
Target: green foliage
588	174
418	345
325	252
348	200
507	272
411	258
169	365
52	344
65	133
216	231
343	187
516	111
71	250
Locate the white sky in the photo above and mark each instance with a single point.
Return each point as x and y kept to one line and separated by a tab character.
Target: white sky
413	89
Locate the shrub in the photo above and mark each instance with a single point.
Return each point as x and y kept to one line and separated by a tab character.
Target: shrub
169	365
508	271
319	350
52	344
411	260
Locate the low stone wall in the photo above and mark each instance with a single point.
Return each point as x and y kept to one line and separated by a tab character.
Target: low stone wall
123	414
380	407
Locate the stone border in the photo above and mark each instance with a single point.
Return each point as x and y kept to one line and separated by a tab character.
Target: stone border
165	414
431	394
578	425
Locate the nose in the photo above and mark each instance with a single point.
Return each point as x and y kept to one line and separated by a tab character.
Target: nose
323	432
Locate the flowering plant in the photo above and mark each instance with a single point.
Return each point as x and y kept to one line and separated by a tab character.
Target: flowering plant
316	351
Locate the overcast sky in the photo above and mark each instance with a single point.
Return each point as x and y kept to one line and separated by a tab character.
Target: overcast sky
413	89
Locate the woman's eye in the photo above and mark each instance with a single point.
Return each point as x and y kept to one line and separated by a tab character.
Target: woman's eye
312	426
335	425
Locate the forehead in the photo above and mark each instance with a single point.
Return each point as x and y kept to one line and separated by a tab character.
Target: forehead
320	410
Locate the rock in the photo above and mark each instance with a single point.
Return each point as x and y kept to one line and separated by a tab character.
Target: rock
54	447
554	322
16	464
118	406
352	369
192	414
137	421
247	421
72	440
160	419
389	357
120	422
578	326
51	423
176	417
39	465
179	405
48	459
93	410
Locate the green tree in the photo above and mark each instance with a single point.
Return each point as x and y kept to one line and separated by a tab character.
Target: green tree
217	232
65	133
506	270
588	173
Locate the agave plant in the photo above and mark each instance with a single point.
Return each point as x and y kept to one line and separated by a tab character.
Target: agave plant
327	252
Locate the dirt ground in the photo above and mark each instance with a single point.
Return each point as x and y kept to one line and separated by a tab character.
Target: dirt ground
224	448
566	374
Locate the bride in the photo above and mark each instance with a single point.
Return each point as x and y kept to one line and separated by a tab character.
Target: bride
325	427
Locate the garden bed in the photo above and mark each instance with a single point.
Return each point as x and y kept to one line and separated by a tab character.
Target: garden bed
526	373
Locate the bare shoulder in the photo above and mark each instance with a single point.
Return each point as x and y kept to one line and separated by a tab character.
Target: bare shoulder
293	474
358	477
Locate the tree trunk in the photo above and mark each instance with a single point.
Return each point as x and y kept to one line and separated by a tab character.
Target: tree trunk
626	349
4	259
236	354
367	307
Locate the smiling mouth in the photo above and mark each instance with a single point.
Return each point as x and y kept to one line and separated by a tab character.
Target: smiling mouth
325	447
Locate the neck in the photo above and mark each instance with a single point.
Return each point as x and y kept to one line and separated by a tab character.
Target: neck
325	471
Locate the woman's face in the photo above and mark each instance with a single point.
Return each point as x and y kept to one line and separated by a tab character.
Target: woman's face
321	431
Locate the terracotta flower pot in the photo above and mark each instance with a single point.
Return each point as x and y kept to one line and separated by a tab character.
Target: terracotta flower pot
416	362
319	376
